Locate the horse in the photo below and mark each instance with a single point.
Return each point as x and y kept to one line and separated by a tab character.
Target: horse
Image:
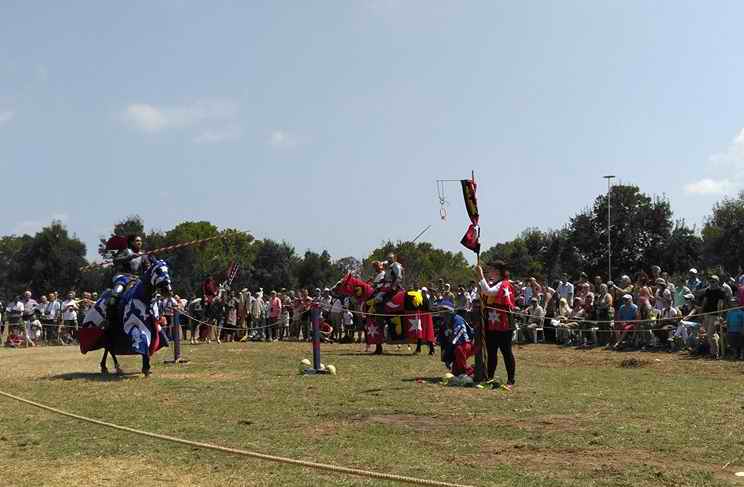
399	313
137	330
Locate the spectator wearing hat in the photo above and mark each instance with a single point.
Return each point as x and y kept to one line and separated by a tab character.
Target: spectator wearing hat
694	284
661	288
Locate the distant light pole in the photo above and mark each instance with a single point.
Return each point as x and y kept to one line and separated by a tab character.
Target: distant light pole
609	239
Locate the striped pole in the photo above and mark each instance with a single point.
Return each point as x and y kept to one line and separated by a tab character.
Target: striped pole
107	263
315	317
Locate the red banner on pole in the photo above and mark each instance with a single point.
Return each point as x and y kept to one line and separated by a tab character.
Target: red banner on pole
471	240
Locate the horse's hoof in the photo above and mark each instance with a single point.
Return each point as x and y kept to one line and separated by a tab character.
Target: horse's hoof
104	370
119	371
147	373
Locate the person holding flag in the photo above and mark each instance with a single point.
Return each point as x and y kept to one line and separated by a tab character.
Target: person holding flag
498	329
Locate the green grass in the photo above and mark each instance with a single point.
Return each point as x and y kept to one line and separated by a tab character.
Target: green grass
575	418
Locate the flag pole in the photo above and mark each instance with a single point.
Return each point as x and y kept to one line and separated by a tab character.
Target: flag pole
480	369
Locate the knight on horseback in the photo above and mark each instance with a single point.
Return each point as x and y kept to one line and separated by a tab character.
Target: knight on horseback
389	278
128	267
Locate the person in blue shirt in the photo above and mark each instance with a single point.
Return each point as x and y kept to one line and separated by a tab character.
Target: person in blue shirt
735	332
694	283
627	316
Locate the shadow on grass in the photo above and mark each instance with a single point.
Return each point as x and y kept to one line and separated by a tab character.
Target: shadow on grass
424	380
377	391
95	376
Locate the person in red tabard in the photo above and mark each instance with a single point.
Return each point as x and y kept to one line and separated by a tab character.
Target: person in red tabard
499	304
426	332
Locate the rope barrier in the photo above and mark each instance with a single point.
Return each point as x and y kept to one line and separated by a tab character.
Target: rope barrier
236	451
581	320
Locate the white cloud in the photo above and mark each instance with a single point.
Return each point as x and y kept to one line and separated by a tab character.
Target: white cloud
145	117
153	118
729	163
709	186
733	157
6	117
281	139
218	135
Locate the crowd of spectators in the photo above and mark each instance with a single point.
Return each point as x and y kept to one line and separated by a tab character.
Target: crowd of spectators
652	312
50	319
274	316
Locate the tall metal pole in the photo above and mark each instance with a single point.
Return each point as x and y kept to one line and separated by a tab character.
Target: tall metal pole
609	226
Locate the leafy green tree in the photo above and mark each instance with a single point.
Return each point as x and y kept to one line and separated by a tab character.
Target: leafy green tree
682	251
524	254
423	264
274	266
51	260
317	270
346	265
723	234
191	265
131	225
10	249
641	226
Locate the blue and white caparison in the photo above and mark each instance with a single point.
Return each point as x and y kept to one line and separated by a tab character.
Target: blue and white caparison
138	311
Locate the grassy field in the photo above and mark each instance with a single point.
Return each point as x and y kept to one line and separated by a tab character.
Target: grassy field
575	418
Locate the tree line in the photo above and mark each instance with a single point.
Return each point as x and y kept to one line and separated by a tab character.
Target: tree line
644	233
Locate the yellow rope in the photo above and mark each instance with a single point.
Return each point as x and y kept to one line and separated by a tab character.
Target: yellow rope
260	456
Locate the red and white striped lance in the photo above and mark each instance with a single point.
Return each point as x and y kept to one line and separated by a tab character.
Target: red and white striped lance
232	273
107	263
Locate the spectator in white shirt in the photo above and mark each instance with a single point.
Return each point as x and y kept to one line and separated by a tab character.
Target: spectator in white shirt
535	318
30	306
566	289
337	308
69	317
53	317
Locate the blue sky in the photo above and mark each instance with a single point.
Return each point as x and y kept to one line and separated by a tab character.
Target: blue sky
326	123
